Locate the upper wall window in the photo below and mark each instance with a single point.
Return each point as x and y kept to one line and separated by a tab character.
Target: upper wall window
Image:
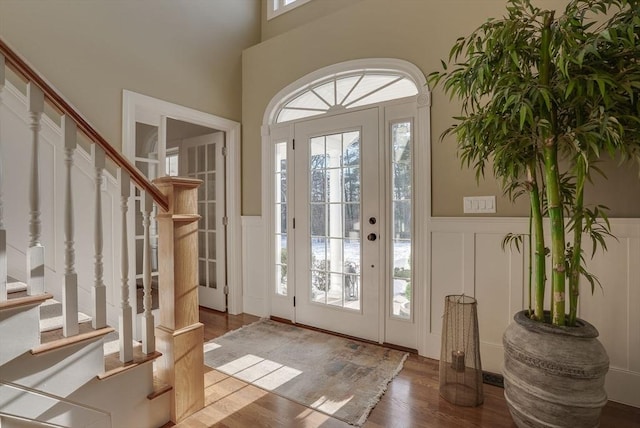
278	7
346	91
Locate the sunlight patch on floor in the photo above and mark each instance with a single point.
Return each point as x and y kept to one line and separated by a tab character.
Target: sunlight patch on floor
264	373
222	389
223	409
210	346
329	406
310	418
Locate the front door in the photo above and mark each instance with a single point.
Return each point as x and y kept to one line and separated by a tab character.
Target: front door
203	158
339	276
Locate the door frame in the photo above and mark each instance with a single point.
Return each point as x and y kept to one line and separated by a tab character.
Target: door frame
142	108
422	176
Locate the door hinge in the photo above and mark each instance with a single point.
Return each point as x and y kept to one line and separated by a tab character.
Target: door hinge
294	301
224	151
225	221
294	144
226	289
294	222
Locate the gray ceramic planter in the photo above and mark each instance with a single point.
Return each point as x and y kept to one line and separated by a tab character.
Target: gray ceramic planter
554	376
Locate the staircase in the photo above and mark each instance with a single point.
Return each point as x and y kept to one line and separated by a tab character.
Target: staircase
68	357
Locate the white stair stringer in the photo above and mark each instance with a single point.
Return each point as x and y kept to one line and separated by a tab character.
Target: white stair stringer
124	395
72	372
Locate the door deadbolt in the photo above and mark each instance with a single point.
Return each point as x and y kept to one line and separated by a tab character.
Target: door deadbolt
372	220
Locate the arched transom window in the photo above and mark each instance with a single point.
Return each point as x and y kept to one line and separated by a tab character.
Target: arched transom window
346	91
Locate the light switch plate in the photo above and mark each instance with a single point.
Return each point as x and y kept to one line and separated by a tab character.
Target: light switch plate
479	204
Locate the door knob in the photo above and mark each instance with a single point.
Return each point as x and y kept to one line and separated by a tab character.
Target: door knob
372	237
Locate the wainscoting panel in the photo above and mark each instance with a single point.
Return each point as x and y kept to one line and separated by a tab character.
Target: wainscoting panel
613	308
467	258
254	283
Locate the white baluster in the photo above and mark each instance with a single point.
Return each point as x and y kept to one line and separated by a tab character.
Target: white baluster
35	252
126	315
99	289
3	232
148	337
70	285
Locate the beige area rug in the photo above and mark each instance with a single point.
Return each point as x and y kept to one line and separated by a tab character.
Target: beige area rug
337	376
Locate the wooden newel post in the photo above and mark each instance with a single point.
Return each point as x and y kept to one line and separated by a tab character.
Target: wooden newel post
180	335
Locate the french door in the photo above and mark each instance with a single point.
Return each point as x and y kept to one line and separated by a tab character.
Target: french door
202	158
338	245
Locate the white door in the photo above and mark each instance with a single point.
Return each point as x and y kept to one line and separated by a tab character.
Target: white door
202	158
338	270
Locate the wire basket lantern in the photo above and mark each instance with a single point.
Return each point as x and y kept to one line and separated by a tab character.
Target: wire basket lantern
460	366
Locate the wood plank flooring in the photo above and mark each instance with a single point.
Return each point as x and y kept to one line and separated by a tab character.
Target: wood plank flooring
411	400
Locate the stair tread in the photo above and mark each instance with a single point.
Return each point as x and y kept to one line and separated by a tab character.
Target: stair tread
159	388
67	341
51	316
15	286
112	344
24	301
114	366
56	334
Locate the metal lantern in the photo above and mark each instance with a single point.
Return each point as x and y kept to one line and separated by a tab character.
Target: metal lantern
460	367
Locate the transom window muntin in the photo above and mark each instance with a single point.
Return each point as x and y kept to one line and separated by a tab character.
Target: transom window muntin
278	7
341	92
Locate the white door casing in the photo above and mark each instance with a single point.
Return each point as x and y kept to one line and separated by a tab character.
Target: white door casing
145	109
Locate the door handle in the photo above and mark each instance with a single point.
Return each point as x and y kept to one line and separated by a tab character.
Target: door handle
372	237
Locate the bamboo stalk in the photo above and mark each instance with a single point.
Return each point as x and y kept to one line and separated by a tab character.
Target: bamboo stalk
574	274
552	178
539	262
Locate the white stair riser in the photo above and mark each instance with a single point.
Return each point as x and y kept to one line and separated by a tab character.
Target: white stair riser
59	372
19	331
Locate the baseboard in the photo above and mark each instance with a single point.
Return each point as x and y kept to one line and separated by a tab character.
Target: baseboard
494	379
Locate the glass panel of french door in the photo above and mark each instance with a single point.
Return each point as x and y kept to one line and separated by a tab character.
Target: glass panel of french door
146	160
201	157
337	252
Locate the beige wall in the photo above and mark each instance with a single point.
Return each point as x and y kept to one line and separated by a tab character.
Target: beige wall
418	31
185	52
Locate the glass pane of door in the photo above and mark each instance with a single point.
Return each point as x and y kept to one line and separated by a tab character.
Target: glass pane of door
334	193
146	160
280	226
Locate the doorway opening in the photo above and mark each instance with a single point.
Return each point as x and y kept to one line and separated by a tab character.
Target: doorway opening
162	138
347	200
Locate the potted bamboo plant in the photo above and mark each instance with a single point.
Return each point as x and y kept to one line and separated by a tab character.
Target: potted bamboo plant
545	94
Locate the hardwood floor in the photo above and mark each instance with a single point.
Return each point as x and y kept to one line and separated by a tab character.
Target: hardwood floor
411	400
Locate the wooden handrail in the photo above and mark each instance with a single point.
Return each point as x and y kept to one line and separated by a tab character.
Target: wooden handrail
21	67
